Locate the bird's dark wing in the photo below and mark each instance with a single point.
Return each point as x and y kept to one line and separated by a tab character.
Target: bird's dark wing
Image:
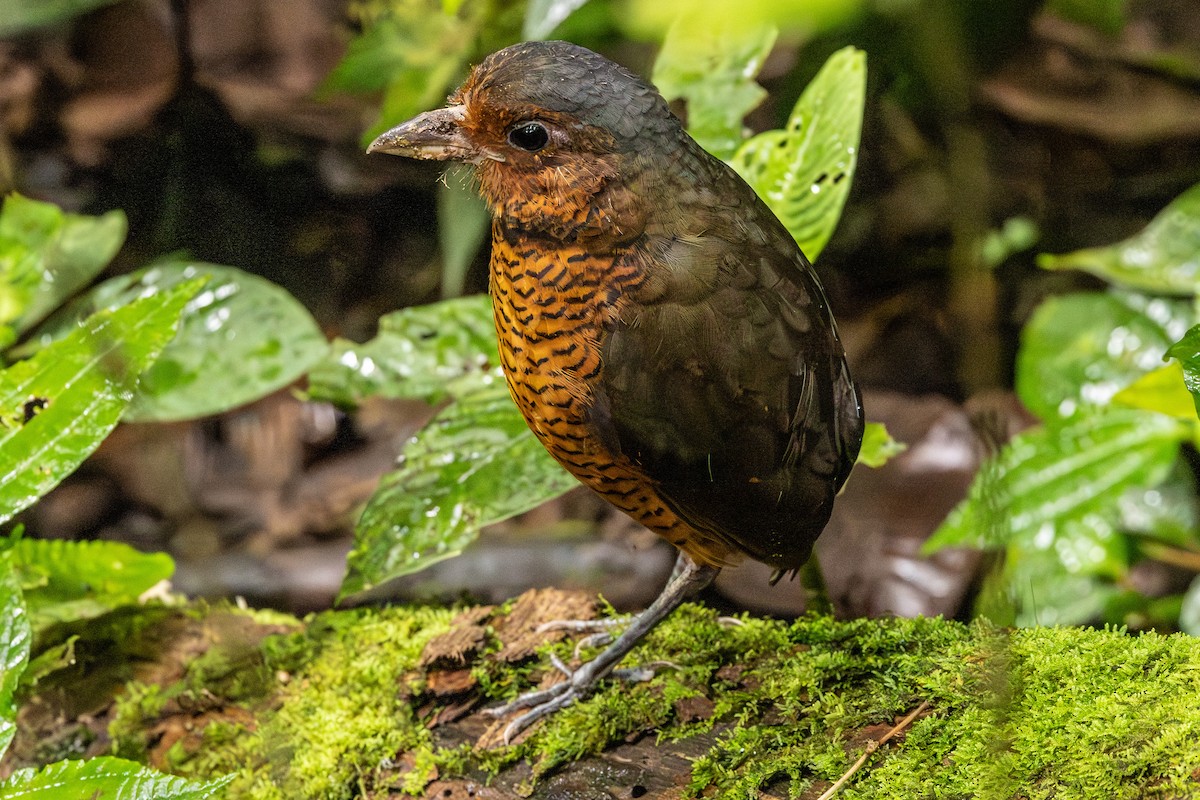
724	380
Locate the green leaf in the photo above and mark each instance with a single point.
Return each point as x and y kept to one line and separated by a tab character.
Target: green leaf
18	16
804	171
413	53
1051	477
475	464
16	637
66	581
1163	258
57	407
108	778
1187	350
1081	349
241	338
878	446
463	219
425	352
1161	390
543	16
47	255
715	73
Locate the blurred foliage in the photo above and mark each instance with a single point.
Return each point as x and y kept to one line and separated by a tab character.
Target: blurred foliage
714	72
19	16
1100	486
1107	16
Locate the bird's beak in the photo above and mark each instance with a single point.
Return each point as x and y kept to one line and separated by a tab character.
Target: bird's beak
435	135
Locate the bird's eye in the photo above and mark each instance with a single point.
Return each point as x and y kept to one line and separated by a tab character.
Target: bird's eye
531	136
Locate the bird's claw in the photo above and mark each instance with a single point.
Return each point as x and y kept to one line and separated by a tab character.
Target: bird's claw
543	702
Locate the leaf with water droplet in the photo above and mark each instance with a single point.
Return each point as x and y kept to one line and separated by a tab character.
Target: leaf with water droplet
1052	475
1079	350
475	464
241	338
47	255
56	407
429	352
803	172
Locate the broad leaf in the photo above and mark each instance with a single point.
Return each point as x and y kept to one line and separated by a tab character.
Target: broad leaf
47	255
78	580
475	464
878	446
108	778
543	16
1081	349
425	352
1163	258
714	73
16	637
1187	350
241	338
1160	390
1049	478
57	407
463	220
803	172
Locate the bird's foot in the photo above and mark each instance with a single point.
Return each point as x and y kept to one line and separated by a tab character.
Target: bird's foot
599	631
578	684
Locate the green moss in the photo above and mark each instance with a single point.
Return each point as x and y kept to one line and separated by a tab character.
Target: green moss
1039	713
327	701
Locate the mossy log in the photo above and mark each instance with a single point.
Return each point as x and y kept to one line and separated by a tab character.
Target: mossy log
388	703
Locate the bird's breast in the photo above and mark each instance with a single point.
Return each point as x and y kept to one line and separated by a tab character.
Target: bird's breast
553	306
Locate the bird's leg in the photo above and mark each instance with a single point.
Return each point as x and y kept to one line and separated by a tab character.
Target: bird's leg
688	579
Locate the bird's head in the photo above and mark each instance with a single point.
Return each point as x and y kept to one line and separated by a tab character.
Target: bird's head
549	126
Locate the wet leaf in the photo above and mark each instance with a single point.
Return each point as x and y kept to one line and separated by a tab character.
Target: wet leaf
425	352
108	778
878	446
16	637
1051	477
714	72
46	255
56	407
1163	258
241	338
1081	349
803	172
65	580
476	463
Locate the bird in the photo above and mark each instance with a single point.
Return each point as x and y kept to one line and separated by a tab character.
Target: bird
659	328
